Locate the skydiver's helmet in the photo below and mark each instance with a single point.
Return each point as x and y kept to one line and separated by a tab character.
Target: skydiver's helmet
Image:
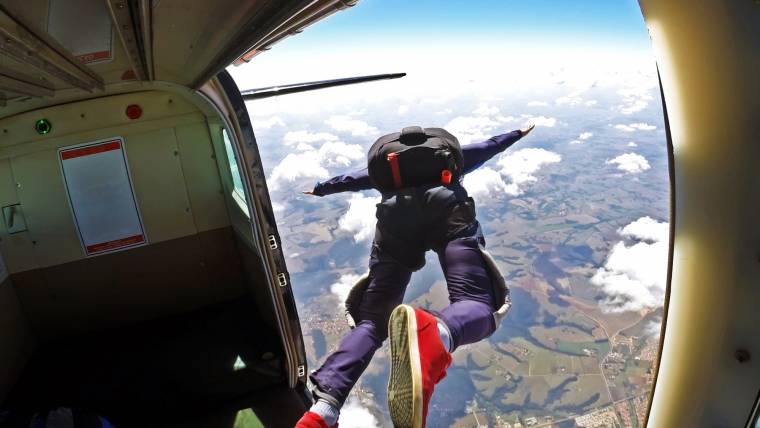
413	157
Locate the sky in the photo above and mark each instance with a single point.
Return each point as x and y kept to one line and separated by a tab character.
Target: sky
581	70
465	39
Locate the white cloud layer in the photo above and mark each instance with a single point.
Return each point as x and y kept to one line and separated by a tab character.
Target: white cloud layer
538	104
360	219
485	183
344	285
485	110
633	277
631	163
357	128
585	135
472	129
307	137
635	126
548	122
521	165
652	329
313	163
354	415
403	109
267	123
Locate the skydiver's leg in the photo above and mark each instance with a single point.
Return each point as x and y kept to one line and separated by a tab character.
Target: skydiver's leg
341	370
469	318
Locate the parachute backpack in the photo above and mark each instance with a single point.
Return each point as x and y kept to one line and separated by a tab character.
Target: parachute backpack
414	157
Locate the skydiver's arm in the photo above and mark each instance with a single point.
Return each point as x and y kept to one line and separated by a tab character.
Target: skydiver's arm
477	154
351	182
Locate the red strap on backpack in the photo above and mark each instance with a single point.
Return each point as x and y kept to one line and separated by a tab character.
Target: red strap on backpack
395	171
446	177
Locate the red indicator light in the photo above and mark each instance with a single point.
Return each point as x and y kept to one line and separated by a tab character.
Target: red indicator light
134	111
446	176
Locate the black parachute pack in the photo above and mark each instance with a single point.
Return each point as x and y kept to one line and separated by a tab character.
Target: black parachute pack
414	157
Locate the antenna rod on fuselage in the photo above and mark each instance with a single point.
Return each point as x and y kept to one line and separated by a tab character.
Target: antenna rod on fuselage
273	91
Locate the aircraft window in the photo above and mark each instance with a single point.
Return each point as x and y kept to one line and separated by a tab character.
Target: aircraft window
238	191
575	214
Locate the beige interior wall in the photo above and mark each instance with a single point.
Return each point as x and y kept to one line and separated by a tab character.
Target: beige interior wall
192	258
16	338
708	55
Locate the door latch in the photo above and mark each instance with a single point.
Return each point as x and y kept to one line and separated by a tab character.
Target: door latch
14	219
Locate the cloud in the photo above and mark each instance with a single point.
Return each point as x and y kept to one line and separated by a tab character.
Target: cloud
646	229
485	183
636	96
267	123
572	99
312	163
636	126
344	285
521	165
278	207
297	137
538	104
485	110
445	111
633	277
631	163
652	328
582	137
632	144
354	415
472	129
360	219
403	109
590	103
548	122
357	128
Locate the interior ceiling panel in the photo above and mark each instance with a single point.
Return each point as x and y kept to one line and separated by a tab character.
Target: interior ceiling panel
85	48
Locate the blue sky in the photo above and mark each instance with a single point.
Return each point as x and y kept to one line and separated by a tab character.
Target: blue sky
566	22
456	37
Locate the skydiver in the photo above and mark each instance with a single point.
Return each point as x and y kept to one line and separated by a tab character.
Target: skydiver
416	214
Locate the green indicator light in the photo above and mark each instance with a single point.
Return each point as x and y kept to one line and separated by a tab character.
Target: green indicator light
43	126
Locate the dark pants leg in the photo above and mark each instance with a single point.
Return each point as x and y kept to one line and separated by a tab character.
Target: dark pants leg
469	317
341	370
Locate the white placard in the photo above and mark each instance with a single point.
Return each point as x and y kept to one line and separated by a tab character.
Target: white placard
101	196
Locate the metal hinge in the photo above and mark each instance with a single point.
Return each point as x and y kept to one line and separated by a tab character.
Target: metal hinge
272	242
301	370
282	279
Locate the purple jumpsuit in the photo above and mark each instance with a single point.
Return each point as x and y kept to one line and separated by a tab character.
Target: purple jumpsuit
469	317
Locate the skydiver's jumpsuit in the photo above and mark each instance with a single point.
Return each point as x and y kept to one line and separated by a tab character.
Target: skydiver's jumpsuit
411	221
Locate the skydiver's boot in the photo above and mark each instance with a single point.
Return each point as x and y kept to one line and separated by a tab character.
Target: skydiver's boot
418	362
313	420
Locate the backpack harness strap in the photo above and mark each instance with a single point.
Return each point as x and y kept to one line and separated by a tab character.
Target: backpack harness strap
395	171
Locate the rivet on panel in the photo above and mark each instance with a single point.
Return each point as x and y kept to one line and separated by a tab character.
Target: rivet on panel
742	355
176	153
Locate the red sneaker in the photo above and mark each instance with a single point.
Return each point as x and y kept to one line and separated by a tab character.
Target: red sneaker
313	420
418	362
